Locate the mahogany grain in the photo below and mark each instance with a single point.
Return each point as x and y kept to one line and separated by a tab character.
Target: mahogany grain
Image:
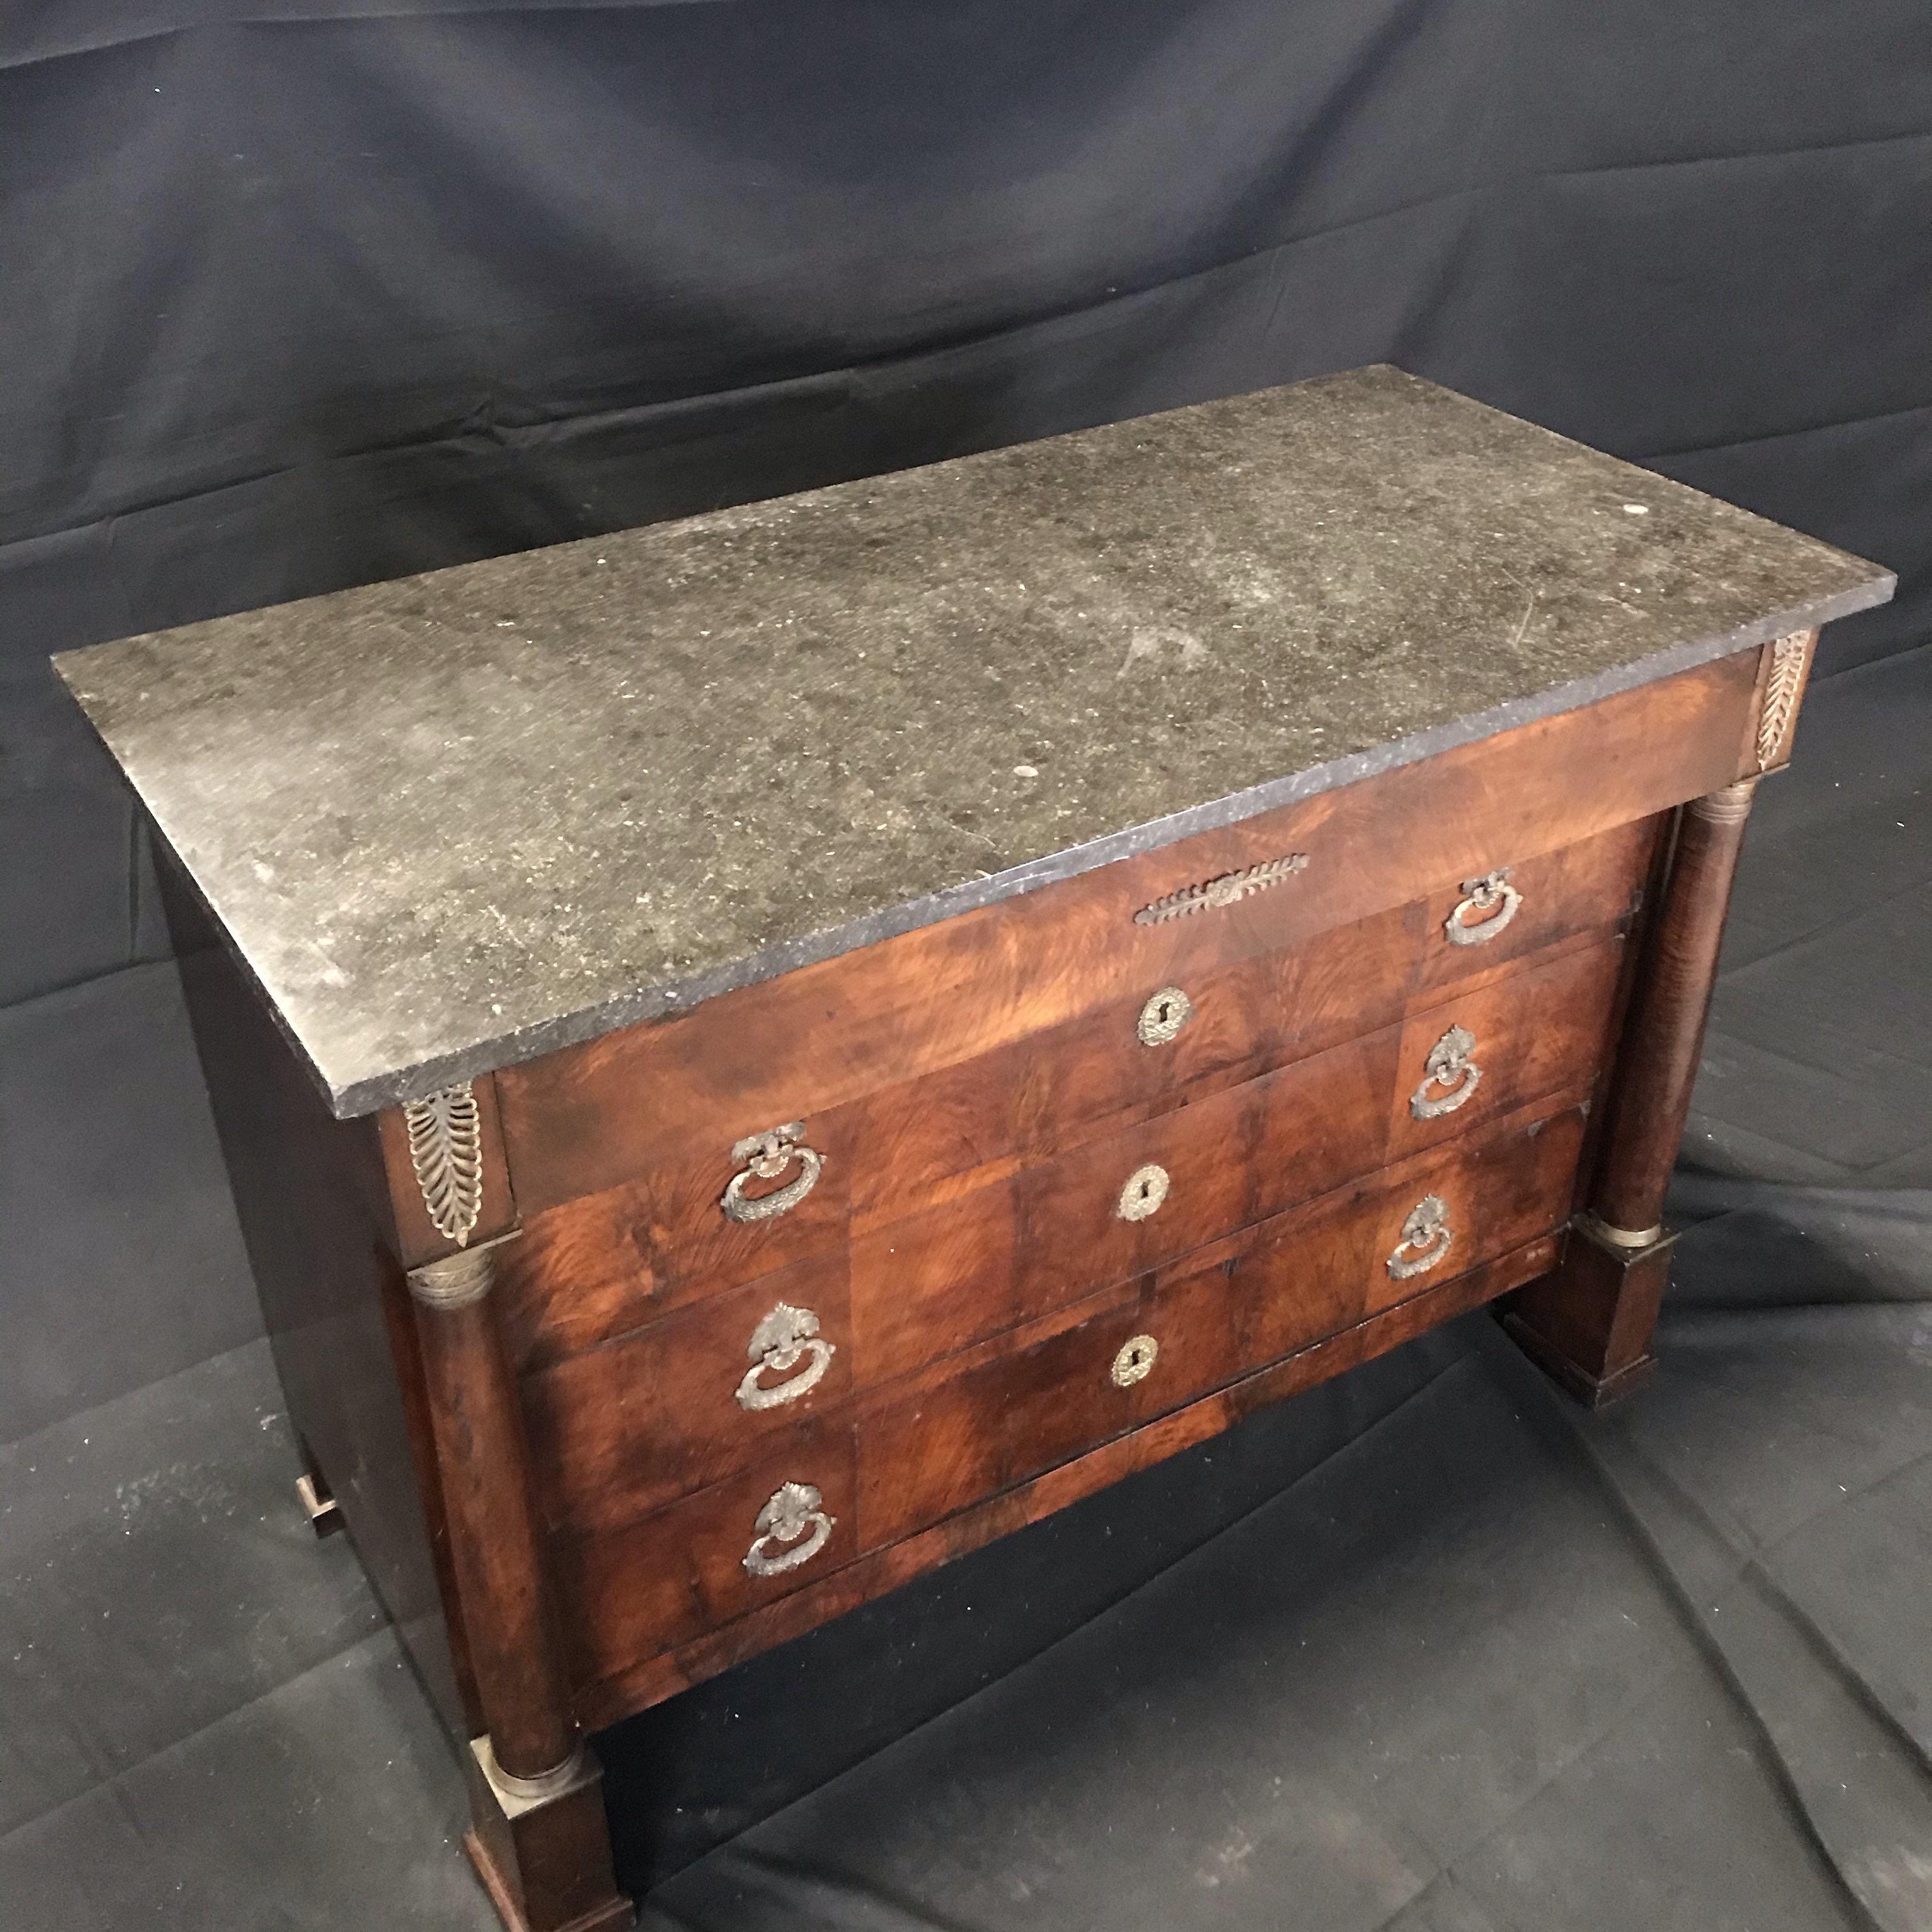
651	1679
650	1415
891	1462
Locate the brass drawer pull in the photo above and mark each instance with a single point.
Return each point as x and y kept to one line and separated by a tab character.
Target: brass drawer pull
766	1155
1145	1190
1450	1068
1135	1362
787	1336
1426	1238
1163	1016
1492	896
793	1514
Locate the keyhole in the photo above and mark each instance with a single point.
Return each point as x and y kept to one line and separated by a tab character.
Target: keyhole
1142	1192
1168	1010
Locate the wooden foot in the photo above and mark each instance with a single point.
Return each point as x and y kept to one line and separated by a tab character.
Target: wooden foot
325	1518
545	1861
1587	1324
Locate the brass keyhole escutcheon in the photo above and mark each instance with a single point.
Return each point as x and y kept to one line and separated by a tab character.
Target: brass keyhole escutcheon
1145	1190
1134	1362
1163	1016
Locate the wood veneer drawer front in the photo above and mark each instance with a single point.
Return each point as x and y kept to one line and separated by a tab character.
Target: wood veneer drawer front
710	1389
1496	1046
936	1283
592	1268
788	1519
595	1116
931	1285
820	1493
1170	1042
638	1420
635	1422
951	1441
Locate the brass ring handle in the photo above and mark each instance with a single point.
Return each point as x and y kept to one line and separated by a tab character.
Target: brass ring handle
1426	1238
1163	1016
1142	1193
765	1156
1492	896
1134	1362
1449	1068
791	1530
787	1336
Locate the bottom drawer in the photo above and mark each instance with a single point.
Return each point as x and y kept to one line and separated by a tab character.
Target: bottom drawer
890	1462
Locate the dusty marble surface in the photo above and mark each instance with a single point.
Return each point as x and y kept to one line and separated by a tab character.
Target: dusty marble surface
458	820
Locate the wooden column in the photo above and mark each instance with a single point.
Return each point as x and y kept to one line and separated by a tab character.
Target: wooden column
541	1842
1588	1323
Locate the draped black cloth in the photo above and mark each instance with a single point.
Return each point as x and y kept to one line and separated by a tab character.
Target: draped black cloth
304	292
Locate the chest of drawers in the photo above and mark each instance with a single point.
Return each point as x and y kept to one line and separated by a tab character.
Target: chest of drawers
758	1054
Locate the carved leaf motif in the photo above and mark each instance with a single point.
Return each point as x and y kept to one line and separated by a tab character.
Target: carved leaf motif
446	1151
1780	693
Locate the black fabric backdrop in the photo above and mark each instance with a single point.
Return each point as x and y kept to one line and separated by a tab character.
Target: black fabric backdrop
297	295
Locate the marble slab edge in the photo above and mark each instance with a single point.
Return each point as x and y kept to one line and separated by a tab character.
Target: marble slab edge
358	1097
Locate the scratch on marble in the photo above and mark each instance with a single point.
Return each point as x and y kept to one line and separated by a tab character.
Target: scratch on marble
1529	611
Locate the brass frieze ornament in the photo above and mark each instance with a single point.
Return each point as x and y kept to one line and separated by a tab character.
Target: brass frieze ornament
446	1133
1213	894
1782	685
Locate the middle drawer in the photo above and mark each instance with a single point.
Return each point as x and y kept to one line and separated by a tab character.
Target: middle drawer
632	1423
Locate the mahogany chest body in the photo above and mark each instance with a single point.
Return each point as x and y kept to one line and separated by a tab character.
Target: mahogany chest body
897	1008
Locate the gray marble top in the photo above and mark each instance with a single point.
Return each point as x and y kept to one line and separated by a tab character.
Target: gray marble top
461	819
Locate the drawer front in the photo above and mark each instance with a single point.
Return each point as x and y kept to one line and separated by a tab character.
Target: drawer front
635	1421
710	1390
1502	1044
820	1492
591	1267
788	1520
950	1441
632	1424
1168	1043
1132	1201
604	1113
